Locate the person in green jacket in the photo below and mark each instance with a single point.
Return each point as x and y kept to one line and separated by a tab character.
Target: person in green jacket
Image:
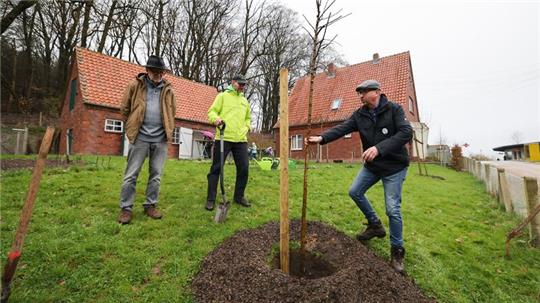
232	108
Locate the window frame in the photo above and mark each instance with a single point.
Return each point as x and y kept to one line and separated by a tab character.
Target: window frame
176	136
113	126
297	142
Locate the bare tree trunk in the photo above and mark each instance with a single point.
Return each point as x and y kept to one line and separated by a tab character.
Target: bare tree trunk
87	8
28	30
107	27
159	28
16	11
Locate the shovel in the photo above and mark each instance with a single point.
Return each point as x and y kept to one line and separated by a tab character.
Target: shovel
223	207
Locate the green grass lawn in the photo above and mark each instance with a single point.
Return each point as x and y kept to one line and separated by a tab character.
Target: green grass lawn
76	252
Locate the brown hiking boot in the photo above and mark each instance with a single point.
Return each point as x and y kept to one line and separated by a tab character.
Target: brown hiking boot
243	201
398	254
124	217
209	205
152	212
372	230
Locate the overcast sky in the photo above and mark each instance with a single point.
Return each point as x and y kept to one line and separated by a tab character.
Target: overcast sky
476	64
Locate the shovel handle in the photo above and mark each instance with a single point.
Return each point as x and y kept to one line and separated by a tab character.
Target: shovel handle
221	127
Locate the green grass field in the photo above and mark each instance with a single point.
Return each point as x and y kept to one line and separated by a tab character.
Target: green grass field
75	250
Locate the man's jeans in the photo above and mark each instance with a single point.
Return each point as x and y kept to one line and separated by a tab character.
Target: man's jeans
241	159
157	152
392	197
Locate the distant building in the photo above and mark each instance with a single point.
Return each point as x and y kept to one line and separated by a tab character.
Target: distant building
91	122
439	152
335	100
525	151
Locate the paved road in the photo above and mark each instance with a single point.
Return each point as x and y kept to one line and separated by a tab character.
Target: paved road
519	168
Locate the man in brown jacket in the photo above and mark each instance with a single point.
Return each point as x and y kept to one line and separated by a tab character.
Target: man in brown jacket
148	107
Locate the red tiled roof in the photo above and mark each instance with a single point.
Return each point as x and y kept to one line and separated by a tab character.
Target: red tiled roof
103	80
393	72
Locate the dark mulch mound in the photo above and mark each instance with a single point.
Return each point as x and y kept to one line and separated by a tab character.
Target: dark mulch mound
29	163
239	270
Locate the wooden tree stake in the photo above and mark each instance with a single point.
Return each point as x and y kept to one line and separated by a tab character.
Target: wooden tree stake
284	171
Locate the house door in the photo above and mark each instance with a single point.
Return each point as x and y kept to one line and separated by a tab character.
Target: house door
186	143
125	145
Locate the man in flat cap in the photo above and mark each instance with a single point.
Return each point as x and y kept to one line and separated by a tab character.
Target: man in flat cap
384	132
148	107
231	108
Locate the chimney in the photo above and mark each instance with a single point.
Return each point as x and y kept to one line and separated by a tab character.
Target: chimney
376	58
331	70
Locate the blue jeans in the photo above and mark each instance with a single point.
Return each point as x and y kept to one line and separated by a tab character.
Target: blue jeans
392	198
157	153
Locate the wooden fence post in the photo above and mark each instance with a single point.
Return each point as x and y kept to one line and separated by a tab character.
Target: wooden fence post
531	194
506	199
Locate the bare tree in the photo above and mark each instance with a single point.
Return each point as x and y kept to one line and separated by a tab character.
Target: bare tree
252	27
284	46
86	21
324	18
67	25
16	11
517	137
107	26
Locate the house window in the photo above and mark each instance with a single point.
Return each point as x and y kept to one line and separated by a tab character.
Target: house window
114	126
411	105
176	135
336	104
297	142
72	94
349	135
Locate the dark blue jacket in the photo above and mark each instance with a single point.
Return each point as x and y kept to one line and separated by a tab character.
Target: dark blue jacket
389	132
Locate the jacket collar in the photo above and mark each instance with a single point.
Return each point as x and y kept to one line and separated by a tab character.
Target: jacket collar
141	77
382	107
230	89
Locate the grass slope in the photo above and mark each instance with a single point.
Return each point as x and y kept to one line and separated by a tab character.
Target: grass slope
76	252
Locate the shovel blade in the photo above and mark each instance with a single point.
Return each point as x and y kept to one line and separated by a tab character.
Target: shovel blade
221	213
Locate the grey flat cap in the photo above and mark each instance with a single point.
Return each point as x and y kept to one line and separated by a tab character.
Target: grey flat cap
368	85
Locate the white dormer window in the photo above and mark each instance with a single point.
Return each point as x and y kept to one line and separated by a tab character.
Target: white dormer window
336	104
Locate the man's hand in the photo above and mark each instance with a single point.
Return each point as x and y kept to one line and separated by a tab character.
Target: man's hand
370	154
217	122
312	139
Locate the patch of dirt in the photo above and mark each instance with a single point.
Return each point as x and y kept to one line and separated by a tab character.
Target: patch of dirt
29	163
240	270
309	264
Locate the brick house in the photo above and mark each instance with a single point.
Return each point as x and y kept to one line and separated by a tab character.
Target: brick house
91	122
335	99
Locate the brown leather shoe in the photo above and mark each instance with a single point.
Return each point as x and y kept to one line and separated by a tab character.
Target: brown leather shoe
373	230
397	255
152	212
243	201
124	217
